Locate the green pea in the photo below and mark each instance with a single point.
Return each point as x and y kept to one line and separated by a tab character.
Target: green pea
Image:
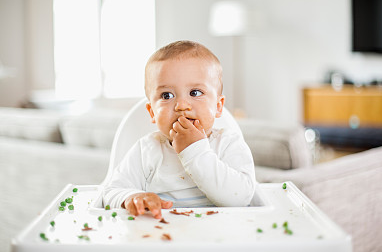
198	215
71	207
107	207
131	218
284	186
68	200
274	225
63	203
52	223
61	208
259	230
42	235
86	225
100	218
114	214
75	190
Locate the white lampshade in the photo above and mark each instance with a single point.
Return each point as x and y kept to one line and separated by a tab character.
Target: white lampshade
228	18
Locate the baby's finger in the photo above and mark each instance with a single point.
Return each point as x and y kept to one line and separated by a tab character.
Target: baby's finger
184	122
139	205
130	207
199	126
166	204
177	127
154	207
172	134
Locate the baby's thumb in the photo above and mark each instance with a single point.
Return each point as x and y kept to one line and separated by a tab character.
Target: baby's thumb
199	126
166	204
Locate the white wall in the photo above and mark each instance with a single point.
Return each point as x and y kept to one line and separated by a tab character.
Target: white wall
298	43
13	90
26	44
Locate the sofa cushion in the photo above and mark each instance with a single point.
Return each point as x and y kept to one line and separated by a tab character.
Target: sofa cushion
33	124
275	145
94	129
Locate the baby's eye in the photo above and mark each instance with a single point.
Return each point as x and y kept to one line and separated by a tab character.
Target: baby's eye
167	95
196	93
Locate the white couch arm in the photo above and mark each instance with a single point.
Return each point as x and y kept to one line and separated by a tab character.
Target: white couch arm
275	145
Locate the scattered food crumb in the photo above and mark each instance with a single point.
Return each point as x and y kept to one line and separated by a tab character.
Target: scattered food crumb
212	212
107	207
110	237
158	227
163	221
259	230
145	236
181	177
187	213
131	218
198	215
166	237
274	225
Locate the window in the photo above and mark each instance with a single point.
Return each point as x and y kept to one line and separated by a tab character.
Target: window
101	47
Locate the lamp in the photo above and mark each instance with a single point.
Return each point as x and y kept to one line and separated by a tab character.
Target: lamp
228	18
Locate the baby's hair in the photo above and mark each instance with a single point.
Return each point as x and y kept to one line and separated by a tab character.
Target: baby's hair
181	50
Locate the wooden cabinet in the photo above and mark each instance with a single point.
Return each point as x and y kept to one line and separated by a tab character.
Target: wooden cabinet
349	106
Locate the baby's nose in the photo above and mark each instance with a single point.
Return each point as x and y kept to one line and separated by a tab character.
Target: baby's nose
182	104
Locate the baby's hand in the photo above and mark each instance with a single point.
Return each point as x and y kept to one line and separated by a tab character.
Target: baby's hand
137	204
184	133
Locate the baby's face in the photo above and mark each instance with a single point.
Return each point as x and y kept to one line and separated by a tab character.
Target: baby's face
187	87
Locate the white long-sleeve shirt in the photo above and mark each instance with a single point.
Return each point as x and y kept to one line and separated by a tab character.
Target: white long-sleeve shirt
215	171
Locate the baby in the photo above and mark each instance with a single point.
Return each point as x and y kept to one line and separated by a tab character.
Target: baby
187	163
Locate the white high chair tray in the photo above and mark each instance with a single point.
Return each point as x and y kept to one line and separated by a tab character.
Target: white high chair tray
231	228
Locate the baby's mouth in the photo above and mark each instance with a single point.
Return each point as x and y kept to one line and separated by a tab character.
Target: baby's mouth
191	120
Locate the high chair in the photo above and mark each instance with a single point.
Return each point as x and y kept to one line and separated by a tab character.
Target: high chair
281	217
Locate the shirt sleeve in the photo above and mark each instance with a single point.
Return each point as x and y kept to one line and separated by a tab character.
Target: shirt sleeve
128	178
226	175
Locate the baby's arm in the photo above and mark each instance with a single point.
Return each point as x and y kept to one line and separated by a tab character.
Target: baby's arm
225	172
126	188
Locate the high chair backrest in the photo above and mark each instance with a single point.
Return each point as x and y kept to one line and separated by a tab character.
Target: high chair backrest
137	123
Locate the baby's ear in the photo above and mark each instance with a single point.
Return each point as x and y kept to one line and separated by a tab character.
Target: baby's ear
219	106
151	112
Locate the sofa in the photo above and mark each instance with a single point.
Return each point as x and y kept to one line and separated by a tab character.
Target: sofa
43	150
